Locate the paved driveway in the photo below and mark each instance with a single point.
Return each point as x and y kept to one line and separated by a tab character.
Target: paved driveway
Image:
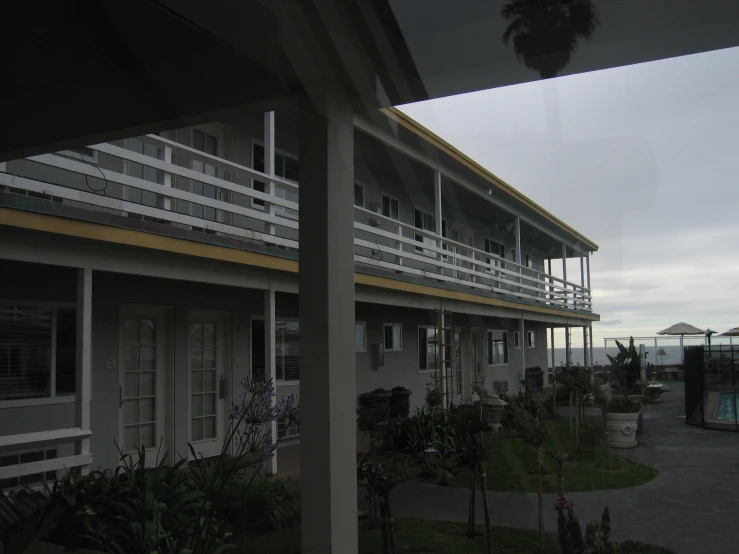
692	507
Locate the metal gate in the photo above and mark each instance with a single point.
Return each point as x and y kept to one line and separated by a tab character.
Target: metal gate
694	371
711	387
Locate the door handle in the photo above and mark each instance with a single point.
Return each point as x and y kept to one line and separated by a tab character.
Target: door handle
221	388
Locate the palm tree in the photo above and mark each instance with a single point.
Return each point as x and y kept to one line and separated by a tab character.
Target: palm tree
545	33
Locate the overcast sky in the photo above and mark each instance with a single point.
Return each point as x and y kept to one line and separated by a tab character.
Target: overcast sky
644	160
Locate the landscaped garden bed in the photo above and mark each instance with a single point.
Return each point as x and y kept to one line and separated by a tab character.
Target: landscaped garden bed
511	463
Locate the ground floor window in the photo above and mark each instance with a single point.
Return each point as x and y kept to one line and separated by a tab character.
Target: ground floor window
360	336
500	386
530	339
287	350
497	347
292	431
516	339
37	350
428	349
393	333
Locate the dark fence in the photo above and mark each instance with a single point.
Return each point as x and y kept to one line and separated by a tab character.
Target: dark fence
711	387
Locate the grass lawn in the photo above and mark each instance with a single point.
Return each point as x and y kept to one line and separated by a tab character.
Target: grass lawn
511	463
422	536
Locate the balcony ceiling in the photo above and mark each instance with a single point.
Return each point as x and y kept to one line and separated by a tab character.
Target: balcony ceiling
80	72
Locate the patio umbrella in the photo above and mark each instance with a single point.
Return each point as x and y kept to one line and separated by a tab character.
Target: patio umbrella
731	333
681	329
661	353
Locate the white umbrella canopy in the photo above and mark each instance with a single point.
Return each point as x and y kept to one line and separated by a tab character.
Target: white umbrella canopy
682	329
731	333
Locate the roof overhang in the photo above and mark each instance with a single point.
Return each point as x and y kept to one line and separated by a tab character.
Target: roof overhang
82	72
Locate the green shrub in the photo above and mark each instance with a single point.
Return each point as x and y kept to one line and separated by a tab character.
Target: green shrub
266	504
623	405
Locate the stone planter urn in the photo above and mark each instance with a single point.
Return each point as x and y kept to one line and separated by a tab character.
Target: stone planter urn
492	411
622	429
654	393
400	402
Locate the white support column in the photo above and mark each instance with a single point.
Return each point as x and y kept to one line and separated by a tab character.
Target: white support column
554	358
582	277
568	346
524	345
587	256
83	390
586	350
590	334
269	163
441	341
551	284
564	270
166	203
519	256
328	442
270	360
437	208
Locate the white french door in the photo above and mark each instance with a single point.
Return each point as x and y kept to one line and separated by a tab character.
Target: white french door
209	376
145	370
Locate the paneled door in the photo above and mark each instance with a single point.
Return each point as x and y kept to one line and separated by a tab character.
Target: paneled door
210	374
145	371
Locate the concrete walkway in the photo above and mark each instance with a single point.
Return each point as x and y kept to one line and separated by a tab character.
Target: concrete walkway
691	507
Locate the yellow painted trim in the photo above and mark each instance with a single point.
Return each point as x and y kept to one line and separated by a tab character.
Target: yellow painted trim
141	239
435	140
130	237
384	282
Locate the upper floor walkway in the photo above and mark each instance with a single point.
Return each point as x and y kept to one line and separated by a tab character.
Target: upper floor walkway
423	212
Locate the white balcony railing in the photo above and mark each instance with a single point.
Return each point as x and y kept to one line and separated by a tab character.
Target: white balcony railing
379	241
17	445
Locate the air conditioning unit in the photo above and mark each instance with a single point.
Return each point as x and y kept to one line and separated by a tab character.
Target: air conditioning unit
374	222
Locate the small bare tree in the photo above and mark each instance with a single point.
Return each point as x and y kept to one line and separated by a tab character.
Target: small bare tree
529	424
382	474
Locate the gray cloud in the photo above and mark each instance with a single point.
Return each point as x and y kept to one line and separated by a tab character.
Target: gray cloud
641	159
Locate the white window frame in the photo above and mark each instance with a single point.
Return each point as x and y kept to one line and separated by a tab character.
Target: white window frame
488	351
52	398
391	198
364	336
529	261
280	211
516	339
426	240
495	262
395	348
497	386
530	339
282	381
418	354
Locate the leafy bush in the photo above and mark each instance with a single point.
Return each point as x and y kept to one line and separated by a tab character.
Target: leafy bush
431	429
170	508
263	505
623	405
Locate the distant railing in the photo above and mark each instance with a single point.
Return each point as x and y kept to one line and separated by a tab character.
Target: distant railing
380	241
